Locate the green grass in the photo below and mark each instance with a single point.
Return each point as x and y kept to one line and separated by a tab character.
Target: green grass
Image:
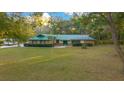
94	63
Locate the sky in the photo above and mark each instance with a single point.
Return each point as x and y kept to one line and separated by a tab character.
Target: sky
63	15
60	14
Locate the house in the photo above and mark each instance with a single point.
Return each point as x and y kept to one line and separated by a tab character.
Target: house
60	40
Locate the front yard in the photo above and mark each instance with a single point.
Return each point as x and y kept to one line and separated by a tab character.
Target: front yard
94	63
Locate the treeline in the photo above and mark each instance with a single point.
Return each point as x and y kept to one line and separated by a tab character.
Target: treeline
98	26
93	24
20	28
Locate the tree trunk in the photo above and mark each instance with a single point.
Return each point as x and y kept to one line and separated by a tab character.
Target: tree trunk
115	37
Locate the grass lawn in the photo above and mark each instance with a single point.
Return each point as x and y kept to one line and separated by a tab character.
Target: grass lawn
94	63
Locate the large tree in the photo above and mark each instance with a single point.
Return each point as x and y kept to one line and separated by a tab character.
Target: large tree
4	25
37	21
114	30
13	26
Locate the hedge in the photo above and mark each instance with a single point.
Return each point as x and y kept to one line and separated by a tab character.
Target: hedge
122	42
79	44
105	42
1	42
38	45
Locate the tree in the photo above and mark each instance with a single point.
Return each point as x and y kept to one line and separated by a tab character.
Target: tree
4	25
54	25
114	31
23	31
37	21
16	28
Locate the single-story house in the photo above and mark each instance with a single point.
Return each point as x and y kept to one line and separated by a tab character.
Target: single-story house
60	40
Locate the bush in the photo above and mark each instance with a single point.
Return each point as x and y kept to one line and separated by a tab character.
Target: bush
84	46
122	42
1	42
38	45
88	44
78	44
104	42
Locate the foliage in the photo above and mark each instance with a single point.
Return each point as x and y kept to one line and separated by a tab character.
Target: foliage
84	46
4	24
1	42
14	26
38	45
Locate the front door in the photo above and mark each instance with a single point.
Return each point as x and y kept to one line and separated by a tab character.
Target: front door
65	42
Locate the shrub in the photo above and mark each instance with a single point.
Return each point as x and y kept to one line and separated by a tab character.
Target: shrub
104	42
38	45
84	46
1	42
89	45
122	42
78	44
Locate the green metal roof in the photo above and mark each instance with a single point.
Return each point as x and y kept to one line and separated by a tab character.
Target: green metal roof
73	37
40	37
62	37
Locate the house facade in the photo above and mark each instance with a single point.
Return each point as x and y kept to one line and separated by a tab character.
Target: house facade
60	40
